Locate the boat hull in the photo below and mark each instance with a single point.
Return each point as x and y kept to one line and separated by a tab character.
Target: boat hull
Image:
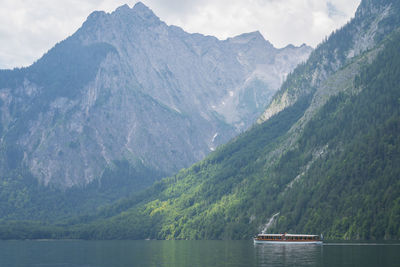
314	242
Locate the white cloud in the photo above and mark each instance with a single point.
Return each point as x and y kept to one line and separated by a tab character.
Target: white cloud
29	28
280	21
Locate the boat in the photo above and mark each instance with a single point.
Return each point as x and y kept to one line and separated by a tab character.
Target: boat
287	239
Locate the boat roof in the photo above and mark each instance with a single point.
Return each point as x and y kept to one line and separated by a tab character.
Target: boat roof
285	235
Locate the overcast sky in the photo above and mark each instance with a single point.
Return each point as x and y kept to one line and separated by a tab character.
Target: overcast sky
28	28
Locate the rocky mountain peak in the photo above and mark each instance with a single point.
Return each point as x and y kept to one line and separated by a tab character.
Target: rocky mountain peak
123	8
251	37
142	9
293	47
138	10
124	16
95	17
135	82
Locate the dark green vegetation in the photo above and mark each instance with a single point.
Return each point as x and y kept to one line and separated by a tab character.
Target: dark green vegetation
331	168
194	190
347	160
354	191
21	196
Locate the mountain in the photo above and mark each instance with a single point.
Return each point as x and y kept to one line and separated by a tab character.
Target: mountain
128	87
324	157
126	100
374	19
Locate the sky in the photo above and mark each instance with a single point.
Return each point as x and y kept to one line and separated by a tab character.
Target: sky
29	28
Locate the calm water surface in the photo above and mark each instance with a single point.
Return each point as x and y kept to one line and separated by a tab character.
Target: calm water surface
192	253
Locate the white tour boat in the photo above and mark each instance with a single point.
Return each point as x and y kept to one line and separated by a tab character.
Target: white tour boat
287	239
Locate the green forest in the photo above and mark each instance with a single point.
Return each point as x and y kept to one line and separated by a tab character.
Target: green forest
336	172
340	178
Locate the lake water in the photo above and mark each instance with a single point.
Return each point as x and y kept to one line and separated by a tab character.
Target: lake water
192	253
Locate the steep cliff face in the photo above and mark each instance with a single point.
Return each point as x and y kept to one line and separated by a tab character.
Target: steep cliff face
128	87
372	21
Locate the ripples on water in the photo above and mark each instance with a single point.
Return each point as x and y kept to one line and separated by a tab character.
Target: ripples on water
193	254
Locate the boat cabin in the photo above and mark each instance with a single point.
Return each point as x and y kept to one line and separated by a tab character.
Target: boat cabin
288	237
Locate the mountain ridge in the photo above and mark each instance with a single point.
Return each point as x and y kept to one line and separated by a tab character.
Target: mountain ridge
334	172
373	14
129	98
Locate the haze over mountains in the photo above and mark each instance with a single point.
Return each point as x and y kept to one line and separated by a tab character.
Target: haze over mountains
127	91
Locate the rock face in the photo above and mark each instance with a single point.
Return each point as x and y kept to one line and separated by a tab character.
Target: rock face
373	20
128	87
326	158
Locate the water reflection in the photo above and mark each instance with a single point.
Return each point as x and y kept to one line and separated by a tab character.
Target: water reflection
288	255
193	254
201	253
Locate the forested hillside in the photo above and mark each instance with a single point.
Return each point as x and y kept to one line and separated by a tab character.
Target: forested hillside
353	191
340	178
328	162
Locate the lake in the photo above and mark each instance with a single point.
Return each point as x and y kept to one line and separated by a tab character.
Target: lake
76	253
